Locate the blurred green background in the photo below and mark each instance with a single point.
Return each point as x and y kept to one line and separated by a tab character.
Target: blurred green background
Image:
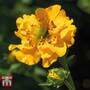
27	78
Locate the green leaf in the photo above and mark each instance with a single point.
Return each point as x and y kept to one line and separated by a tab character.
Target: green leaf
45	84
3	71
70	60
39	71
14	67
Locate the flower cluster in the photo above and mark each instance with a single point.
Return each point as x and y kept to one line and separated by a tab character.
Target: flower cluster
45	36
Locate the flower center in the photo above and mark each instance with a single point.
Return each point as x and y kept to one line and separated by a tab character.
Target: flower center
41	33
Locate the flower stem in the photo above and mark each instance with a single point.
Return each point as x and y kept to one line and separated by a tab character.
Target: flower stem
68	85
69	81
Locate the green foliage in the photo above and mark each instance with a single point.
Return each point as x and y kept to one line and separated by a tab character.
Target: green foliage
3	71
70	60
84	5
51	81
40	71
20	9
26	1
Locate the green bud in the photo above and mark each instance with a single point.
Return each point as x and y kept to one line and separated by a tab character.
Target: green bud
56	77
58	73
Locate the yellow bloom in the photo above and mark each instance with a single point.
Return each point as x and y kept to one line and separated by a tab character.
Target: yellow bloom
45	36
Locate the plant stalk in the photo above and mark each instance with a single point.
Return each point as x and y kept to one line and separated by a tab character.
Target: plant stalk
69	81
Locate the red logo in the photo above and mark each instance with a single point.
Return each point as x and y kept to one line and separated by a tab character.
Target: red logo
6	81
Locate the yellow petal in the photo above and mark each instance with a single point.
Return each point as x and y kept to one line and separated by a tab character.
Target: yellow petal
34	20
46	62
42	16
62	20
69	38
50	53
24	58
60	51
19	22
13	46
55	40
66	30
18	34
53	11
68	35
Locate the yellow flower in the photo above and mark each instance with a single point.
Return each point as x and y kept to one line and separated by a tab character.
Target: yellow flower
45	36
